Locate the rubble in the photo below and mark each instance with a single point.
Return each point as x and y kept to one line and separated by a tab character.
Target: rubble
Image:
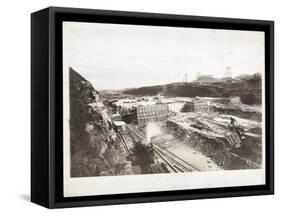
210	135
209	131
241	110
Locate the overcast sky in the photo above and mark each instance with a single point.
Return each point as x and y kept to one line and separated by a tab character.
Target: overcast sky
114	56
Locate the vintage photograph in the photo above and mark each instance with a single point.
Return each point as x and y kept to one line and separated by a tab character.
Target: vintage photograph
160	100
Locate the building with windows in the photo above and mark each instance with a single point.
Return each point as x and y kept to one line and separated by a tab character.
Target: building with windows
201	105
205	79
152	113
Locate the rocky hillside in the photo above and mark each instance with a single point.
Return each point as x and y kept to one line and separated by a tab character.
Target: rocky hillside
248	89
94	143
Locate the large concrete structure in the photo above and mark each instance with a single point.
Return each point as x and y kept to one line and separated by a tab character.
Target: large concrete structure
201	105
152	113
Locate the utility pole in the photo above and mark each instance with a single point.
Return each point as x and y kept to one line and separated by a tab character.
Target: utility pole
228	72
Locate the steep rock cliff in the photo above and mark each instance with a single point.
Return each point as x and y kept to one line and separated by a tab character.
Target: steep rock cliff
94	144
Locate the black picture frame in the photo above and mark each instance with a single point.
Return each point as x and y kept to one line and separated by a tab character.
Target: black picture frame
46	104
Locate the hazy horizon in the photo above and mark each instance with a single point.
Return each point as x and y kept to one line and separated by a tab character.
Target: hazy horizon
115	56
119	89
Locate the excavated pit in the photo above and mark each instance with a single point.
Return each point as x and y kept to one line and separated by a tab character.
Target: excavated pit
207	134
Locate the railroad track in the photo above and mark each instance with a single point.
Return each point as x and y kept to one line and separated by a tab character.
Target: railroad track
124	144
171	165
174	162
136	133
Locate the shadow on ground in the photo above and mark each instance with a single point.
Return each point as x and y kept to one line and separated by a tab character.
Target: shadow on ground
25	197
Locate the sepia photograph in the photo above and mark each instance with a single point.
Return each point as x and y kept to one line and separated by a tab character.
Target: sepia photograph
147	101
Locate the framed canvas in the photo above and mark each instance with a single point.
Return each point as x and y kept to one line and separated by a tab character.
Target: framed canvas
138	107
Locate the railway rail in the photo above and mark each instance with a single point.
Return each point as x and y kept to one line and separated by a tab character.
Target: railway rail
173	160
136	132
175	163
124	144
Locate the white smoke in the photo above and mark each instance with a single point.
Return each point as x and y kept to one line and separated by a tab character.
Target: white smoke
152	129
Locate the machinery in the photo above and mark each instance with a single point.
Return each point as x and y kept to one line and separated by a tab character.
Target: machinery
234	125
